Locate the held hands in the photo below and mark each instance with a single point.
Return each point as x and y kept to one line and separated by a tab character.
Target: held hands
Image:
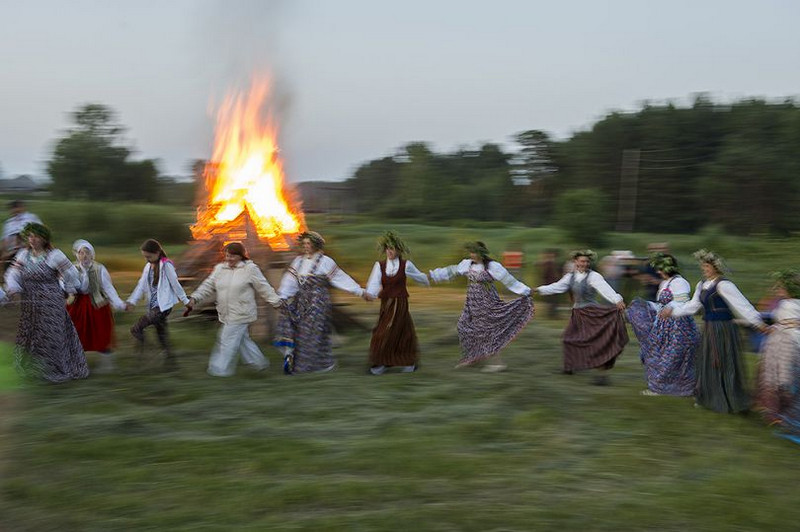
128	306
666	312
189	307
621	305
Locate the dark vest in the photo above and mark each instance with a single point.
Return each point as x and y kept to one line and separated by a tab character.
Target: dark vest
394	286
582	294
715	307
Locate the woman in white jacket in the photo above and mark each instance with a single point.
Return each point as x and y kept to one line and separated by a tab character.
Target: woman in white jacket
233	285
159	283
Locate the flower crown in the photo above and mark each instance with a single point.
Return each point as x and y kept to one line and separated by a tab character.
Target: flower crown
591	255
704	255
390	239
790	280
664	263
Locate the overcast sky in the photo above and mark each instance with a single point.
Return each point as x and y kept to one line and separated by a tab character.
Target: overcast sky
356	79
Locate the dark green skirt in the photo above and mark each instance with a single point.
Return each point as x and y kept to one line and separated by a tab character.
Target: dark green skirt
720	372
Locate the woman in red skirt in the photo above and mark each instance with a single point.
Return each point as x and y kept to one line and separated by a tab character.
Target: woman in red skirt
91	311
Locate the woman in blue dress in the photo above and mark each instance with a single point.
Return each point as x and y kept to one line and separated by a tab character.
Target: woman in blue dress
668	345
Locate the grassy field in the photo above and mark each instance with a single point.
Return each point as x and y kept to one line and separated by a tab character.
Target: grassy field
441	449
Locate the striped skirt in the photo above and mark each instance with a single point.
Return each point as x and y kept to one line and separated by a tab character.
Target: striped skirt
720	372
595	336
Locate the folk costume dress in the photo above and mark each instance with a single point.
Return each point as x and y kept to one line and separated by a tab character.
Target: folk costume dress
487	323
305	322
719	366
595	335
394	339
668	345
234	290
780	361
47	344
91	311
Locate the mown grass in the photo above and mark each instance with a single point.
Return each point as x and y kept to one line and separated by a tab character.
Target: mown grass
441	449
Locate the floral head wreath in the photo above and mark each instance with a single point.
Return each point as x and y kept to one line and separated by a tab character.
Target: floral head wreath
790	280
709	257
663	262
479	248
390	239
591	255
315	238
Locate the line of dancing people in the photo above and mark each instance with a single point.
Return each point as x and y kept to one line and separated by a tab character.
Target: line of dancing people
678	359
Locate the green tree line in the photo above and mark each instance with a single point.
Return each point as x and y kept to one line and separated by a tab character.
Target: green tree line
731	165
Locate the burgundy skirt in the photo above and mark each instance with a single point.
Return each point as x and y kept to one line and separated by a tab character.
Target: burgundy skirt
594	338
394	339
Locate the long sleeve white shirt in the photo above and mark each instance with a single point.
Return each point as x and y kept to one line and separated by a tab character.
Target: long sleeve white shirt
302	266
681	291
106	285
234	290
169	290
732	296
495	269
374	283
55	259
595	280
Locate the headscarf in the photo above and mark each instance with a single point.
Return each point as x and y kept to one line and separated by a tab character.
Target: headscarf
92	272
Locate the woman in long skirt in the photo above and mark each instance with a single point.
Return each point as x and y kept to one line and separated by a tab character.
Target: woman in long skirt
48	346
668	345
595	335
780	357
304	328
487	324
720	371
91	311
394	340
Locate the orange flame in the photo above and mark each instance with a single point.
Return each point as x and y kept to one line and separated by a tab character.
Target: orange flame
245	175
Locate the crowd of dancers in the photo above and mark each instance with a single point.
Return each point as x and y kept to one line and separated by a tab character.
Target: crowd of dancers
678	358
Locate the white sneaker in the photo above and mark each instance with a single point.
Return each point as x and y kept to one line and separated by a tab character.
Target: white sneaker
377	370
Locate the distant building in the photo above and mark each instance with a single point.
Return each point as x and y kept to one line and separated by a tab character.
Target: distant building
23	184
329	197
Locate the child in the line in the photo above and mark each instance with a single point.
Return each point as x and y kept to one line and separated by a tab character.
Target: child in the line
159	282
91	309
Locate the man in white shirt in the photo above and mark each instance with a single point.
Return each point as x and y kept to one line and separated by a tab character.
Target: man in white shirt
19	218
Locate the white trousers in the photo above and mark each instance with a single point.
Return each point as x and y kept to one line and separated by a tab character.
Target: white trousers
233	339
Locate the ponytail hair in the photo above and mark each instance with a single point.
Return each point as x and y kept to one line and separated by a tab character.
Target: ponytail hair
152	245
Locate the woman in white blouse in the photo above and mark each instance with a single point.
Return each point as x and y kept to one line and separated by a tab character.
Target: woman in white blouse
304	329
91	311
48	346
487	324
720	372
668	345
394	340
596	333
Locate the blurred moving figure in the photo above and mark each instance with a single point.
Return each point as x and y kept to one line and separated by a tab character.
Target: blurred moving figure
394	339
668	345
159	284
487	324
596	334
48	346
719	368
91	309
780	356
233	285
549	273
304	328
12	242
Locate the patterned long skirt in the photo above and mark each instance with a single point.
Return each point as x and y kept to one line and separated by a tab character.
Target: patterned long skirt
595	336
668	349
487	323
394	339
306	321
47	345
720	372
777	371
95	325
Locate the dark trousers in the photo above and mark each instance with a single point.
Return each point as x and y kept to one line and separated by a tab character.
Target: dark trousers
157	319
